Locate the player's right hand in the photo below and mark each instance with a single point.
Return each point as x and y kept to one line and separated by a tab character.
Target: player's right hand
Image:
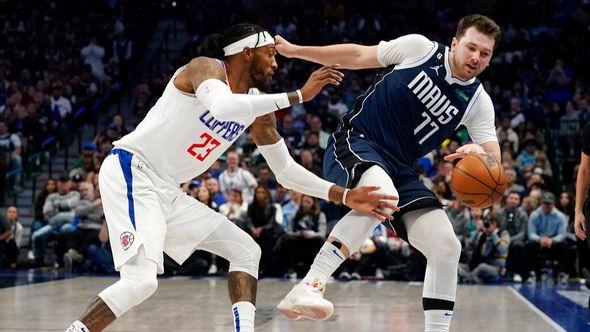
580	225
367	201
284	48
320	78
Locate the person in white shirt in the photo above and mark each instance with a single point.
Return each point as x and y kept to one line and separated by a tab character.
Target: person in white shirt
235	177
204	108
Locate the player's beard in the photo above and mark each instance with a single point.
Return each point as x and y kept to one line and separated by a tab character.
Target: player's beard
260	79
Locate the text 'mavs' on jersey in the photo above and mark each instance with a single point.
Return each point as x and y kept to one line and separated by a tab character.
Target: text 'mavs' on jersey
410	109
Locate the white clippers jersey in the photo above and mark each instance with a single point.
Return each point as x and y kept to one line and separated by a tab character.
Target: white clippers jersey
179	139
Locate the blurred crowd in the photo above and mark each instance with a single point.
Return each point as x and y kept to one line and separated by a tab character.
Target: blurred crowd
538	85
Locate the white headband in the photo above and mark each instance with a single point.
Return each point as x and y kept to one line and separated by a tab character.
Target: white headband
263	38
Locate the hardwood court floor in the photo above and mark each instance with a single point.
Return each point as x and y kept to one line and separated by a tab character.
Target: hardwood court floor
184	304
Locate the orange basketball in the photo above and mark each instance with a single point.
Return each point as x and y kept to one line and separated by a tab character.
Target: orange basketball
478	180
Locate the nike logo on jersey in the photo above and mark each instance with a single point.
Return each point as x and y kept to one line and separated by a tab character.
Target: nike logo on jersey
436	68
228	130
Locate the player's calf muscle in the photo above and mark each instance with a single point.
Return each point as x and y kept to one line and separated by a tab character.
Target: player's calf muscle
98	315
242	287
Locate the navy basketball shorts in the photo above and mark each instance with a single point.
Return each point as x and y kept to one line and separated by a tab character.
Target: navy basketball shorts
349	154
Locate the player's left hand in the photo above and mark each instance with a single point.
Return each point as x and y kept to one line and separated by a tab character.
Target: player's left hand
465	149
365	200
320	78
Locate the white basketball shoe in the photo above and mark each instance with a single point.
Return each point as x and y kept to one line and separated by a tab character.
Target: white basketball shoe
306	300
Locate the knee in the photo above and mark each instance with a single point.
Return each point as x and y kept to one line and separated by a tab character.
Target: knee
143	286
246	258
448	249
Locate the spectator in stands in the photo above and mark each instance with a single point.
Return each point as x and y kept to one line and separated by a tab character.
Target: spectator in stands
58	210
509	134
61	107
265	178
100	257
459	217
235	177
529	204
289	202
308	233
288	132
213	185
203	195
11	235
546	233
10	153
92	55
308	162
515	222
49	187
235	208
316	126
490	249
511	185
73	246
264	224
312	143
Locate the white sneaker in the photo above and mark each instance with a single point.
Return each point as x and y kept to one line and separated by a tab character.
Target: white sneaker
517	278
212	269
30	255
355	276
306	301
379	274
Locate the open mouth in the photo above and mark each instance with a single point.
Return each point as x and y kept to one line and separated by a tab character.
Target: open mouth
471	67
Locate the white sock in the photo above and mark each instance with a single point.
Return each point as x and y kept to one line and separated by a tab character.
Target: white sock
243	313
77	326
437	320
325	263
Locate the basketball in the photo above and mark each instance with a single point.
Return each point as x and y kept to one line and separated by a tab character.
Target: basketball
478	180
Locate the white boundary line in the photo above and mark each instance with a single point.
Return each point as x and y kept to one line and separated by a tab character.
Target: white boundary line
536	310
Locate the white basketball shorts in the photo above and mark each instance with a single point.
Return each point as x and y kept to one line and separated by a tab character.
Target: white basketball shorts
141	209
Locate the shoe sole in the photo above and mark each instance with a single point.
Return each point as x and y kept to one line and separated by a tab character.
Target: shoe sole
313	312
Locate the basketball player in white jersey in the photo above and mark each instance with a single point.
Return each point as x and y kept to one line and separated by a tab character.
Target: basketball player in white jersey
202	111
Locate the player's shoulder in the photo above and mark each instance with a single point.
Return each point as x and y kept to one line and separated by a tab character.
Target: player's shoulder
202	62
483	97
404	49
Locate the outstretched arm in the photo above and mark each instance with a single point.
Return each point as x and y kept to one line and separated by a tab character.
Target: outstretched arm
348	56
205	77
354	56
294	176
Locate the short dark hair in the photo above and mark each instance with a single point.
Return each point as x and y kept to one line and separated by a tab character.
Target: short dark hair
482	23
493	217
514	192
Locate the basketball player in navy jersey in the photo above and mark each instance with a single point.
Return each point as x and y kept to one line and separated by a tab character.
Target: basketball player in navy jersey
205	107
425	92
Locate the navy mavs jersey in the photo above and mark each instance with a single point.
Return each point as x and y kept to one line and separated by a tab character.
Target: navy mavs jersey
408	111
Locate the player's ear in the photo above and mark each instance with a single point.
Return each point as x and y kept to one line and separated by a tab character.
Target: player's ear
454	43
248	53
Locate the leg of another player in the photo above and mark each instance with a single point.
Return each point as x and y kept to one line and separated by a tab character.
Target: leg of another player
243	254
306	299
431	232
138	282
